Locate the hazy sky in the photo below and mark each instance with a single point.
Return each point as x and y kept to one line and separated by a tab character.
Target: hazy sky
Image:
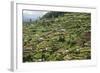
29	14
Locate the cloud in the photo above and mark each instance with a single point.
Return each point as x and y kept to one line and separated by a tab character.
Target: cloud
30	14
34	13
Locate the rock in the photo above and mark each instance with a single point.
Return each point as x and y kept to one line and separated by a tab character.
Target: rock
63	30
67	50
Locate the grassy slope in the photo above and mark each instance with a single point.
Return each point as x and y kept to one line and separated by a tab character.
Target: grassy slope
62	37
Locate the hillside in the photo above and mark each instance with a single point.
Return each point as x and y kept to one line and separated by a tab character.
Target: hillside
57	36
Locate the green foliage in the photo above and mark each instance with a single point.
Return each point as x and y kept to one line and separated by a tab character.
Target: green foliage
57	36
